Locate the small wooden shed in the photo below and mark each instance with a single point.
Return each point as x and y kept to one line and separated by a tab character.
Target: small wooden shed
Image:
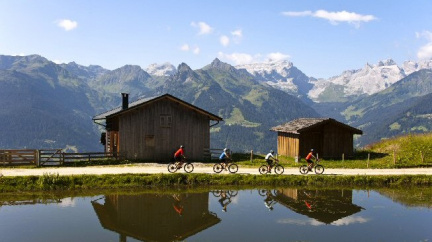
328	137
153	128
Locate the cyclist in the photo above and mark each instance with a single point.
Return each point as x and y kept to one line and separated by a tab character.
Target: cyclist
269	159
179	155
224	157
309	159
224	200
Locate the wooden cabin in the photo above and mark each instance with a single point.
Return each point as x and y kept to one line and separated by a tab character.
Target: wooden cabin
154	128
155	217
328	137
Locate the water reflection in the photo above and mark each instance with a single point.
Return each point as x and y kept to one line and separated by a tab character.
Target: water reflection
154	217
281	214
224	197
326	206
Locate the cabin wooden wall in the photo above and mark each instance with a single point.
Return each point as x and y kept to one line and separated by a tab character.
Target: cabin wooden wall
329	140
288	144
155	131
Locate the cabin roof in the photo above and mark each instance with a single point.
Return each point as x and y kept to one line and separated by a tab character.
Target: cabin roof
146	101
300	125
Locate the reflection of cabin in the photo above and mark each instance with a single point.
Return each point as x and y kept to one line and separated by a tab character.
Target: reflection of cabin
155	217
325	206
153	128
328	137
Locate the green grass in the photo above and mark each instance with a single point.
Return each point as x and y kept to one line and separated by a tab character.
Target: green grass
54	182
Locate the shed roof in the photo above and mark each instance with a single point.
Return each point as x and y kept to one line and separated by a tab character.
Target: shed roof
146	101
303	124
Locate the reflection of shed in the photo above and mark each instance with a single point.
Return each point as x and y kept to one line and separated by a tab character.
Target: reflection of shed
153	217
152	128
325	206
328	137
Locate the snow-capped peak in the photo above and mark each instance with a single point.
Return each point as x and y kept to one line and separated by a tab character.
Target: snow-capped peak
165	69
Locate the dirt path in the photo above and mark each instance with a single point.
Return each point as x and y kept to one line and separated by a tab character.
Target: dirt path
199	168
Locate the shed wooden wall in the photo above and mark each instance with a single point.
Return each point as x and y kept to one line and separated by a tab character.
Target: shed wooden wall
329	140
288	144
145	132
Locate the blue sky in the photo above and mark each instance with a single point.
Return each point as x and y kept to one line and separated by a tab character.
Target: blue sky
321	38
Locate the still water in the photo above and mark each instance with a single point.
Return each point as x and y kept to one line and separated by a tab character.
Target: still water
281	214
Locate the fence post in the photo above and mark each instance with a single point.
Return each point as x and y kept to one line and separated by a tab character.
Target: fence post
422	156
368	160
251	158
37	157
394	157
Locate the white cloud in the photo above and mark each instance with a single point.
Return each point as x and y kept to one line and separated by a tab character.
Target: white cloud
196	50
298	14
350	220
425	52
277	56
224	40
239	58
237	33
67	24
424	34
185	47
334	17
203	27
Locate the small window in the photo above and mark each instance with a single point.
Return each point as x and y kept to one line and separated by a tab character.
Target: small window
165	121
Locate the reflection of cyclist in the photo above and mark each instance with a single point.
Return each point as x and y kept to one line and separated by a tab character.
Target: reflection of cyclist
269	159
309	159
224	201
179	155
269	201
309	205
177	204
224	157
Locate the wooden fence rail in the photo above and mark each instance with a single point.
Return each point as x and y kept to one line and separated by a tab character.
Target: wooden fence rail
18	157
53	157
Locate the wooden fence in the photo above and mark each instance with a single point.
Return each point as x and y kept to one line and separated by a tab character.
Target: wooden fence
54	157
18	157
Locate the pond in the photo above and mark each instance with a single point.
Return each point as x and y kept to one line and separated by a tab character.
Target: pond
279	214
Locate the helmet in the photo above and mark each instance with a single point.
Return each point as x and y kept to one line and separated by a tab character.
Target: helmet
225	149
312	150
271	151
181	146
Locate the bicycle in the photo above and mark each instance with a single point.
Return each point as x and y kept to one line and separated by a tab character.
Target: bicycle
219	167
175	166
319	169
278	169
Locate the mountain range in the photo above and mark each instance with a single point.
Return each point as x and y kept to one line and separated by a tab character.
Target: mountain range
48	105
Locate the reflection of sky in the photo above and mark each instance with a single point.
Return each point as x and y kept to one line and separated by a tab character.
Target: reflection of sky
67	202
312	222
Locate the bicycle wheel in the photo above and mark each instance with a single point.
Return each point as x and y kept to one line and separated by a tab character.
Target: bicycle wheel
319	169
304	169
263	169
232	193
188	167
233	168
172	167
278	169
262	192
217	168
217	193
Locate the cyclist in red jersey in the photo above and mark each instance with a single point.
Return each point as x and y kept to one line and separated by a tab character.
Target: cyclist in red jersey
179	155
309	159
